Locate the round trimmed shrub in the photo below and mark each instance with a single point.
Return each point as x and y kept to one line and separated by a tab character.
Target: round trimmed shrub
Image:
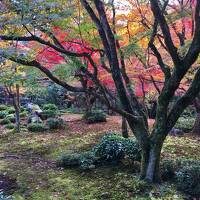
114	147
188	180
3	114
94	116
5	121
54	123
10	126
3	107
11	110
52	107
11	118
37	127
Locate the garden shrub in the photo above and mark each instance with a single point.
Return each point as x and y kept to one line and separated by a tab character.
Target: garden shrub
3	107
10	126
94	116
114	147
69	160
11	110
5	121
84	161
11	117
54	123
189	112
132	149
188	180
37	127
168	169
50	107
185	124
110	148
48	114
3	114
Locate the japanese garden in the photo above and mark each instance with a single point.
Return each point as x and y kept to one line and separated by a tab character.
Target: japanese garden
99	100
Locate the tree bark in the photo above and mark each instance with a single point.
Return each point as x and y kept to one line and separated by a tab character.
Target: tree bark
153	166
16	104
124	128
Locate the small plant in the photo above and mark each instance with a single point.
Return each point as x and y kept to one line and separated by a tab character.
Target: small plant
11	110
52	107
54	123
94	116
10	126
5	121
3	107
37	127
3	114
188	180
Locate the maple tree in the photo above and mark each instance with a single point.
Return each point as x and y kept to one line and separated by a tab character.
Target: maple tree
89	37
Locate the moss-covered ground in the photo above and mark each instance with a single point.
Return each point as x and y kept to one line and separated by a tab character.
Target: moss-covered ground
30	159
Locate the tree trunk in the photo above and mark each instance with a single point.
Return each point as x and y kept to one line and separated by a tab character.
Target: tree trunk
124	128
196	128
150	164
153	166
16	104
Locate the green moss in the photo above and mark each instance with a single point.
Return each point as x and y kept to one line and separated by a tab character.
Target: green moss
38	178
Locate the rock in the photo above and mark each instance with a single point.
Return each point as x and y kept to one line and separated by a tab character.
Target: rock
91	167
34	118
106	195
176	132
34	108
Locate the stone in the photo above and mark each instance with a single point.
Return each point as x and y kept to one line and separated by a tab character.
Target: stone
176	132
